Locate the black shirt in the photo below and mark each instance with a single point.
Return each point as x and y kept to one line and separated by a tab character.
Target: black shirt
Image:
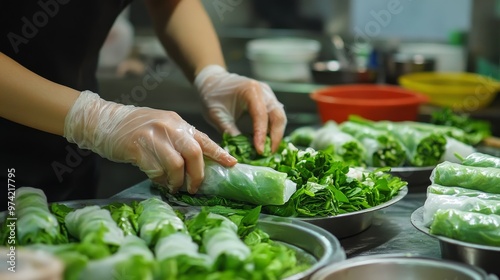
59	40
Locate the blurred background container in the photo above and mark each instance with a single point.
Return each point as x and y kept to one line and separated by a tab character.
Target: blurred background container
282	59
460	91
374	102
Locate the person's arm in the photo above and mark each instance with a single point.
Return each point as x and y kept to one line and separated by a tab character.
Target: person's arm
21	100
186	31
164	146
188	36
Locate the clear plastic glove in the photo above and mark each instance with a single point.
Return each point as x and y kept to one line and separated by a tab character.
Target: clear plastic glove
226	96
164	146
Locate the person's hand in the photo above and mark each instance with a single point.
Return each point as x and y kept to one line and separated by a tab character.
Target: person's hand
169	150
226	96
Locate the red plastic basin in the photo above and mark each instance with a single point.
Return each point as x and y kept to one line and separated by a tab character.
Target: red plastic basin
374	102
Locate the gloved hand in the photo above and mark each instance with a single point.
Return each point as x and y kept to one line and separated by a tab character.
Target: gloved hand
226	96
159	142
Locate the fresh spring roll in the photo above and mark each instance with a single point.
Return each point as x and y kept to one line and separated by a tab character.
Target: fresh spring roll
454	147
258	185
481	160
133	260
344	144
35	222
434	202
157	219
381	148
470	227
423	148
486	179
223	240
450	131
178	256
458	191
303	136
94	224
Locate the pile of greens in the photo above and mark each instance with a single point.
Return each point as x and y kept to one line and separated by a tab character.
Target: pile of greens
476	129
326	186
152	240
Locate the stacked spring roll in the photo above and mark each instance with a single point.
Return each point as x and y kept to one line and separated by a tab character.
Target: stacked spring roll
382	149
463	201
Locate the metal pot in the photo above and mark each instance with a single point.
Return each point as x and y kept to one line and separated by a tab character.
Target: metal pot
330	72
398	64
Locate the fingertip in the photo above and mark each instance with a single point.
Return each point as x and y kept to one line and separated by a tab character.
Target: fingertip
259	141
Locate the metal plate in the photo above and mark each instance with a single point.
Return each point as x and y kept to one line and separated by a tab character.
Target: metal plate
349	224
415	176
482	256
309	241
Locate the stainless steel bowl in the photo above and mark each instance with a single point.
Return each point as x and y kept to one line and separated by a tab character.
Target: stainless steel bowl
349	224
397	267
482	256
311	243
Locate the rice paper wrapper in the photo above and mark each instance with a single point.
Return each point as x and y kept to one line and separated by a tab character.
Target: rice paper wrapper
486	179
258	185
435	202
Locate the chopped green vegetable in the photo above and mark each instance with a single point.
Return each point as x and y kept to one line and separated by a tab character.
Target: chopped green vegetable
470	227
485	179
476	129
125	217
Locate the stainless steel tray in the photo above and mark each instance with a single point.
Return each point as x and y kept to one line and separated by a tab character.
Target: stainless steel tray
483	256
349	224
309	241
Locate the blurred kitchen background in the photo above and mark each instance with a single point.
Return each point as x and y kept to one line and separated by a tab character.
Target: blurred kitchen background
376	38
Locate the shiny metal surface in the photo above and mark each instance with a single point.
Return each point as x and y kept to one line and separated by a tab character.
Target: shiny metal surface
309	241
349	224
418	178
399	266
314	240
482	256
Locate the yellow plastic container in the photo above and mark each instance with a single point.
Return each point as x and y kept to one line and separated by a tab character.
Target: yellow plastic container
461	91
